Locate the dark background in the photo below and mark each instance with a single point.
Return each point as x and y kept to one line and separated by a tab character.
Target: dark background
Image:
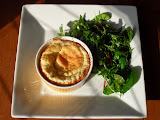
149	24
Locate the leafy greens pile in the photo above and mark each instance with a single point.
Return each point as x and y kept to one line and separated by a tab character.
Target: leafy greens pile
110	48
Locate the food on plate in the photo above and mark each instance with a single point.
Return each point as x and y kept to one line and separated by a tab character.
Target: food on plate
110	48
64	62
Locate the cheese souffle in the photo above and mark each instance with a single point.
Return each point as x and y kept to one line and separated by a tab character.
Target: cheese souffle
64	62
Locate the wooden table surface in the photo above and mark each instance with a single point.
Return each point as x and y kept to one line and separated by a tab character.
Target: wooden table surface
149	23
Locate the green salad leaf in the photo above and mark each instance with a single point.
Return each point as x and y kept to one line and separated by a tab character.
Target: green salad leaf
102	16
61	31
128	84
110	48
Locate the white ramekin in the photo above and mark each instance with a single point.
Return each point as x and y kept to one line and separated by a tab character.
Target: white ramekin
70	88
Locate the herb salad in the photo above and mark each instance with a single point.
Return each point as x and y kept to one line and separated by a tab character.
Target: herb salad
110	48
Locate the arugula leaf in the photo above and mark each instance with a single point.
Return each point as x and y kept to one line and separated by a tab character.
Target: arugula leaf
86	34
122	62
61	31
110	47
128	34
118	54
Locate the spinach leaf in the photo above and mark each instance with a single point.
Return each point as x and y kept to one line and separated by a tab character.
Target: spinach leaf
109	89
103	16
117	86
128	84
119	79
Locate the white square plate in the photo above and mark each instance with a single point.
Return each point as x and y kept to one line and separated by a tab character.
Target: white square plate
32	98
